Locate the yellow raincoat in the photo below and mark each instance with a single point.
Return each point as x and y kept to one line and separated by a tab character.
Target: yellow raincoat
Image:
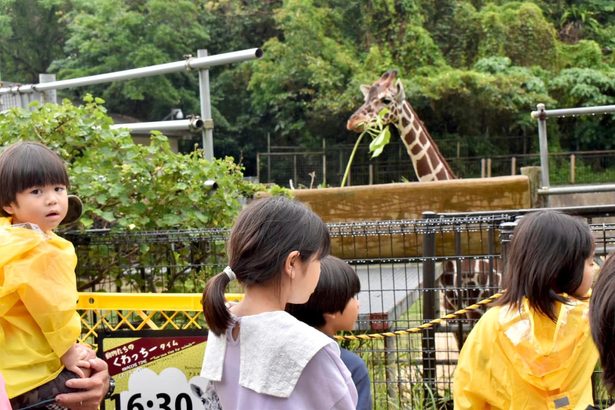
522	360
38	296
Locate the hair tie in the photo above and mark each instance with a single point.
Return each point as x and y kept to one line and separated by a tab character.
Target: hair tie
229	272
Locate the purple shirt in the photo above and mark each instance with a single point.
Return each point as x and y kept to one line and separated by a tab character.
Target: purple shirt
323	383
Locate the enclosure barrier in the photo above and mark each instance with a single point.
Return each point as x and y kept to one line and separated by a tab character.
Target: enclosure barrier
410	351
541	114
109	312
202	63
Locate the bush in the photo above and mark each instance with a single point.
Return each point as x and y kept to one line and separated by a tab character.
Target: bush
125	185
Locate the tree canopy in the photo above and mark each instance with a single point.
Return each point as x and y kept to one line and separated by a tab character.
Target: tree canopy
472	68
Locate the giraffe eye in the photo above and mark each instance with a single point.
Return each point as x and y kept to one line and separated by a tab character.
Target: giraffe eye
386	100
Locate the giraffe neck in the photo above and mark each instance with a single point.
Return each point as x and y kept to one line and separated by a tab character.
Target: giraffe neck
428	162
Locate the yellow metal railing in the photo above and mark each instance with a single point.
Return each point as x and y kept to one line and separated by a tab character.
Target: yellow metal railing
110	312
155	311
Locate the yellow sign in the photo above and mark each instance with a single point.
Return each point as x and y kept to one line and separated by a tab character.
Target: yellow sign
155	369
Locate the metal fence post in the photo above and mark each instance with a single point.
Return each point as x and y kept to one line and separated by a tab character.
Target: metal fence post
205	99
428	342
544	147
506	230
49	96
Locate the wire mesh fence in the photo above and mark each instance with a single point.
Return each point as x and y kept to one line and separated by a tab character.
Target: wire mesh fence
411	271
310	169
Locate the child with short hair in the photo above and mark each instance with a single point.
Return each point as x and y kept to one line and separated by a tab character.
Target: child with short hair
602	321
534	348
39	324
257	355
334	307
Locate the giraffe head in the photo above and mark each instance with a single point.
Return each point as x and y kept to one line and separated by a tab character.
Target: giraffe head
387	92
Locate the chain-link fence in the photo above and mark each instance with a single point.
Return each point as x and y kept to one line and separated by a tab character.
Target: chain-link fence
460	263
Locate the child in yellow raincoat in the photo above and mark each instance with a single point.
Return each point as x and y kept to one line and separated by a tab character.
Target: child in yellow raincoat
534	350
39	325
602	321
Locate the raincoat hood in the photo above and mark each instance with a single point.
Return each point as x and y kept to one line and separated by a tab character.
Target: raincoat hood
543	352
516	358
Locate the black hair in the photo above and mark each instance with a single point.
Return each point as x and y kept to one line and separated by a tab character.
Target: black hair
338	283
263	236
602	320
25	165
546	258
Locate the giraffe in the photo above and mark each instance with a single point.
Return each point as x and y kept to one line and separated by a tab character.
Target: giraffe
429	165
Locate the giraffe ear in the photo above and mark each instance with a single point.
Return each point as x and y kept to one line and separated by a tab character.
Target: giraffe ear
400	95
364	89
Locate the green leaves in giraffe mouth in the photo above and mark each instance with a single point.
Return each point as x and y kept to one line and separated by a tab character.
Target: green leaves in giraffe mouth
380	133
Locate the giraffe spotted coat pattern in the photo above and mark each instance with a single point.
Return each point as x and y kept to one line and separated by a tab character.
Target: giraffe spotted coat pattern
464	284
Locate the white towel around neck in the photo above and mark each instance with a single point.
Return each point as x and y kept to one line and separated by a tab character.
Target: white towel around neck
274	348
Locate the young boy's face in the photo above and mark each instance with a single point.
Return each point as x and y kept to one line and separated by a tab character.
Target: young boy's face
45	206
347	318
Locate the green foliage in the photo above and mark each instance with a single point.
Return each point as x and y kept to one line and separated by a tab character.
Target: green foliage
30	38
125	185
113	35
523	32
299	81
576	87
574	23
473	68
455	27
417	49
584	54
489	101
240	130
583	87
493	35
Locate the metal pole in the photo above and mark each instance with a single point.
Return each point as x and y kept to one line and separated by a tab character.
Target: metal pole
324	163
506	231
428	343
185	65
562	112
544	149
295	176
207	132
268	157
193	124
258	167
577	189
51	95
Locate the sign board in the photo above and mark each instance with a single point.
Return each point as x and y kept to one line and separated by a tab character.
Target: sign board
154	369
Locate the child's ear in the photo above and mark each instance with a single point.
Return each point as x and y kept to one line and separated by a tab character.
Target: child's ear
289	264
8	209
329	316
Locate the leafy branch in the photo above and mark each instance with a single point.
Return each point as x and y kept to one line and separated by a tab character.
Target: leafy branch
380	134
